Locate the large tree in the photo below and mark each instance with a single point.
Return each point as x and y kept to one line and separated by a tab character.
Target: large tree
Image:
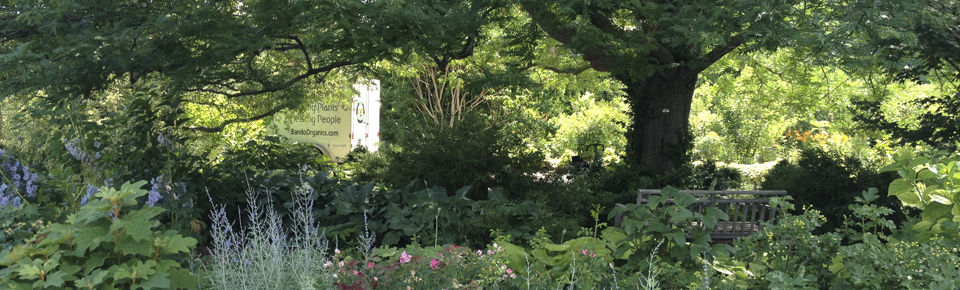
657	48
247	59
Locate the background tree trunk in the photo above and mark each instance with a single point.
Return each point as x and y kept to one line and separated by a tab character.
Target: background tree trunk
660	105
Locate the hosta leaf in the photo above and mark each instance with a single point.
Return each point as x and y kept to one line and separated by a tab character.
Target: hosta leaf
556	248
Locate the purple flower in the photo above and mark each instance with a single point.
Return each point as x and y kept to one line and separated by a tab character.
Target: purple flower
154	196
90	191
31	189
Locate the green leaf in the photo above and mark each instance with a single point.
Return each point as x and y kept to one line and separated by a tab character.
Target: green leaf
939	196
391	238
937	210
900	186
495	194
137	223
172	243
92	280
129	247
684	200
89	239
927	174
922	226
54	279
159	281
918	161
683	215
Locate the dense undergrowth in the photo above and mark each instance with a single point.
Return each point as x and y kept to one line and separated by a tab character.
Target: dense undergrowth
304	228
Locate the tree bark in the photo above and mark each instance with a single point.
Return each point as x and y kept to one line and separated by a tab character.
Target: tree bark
660	104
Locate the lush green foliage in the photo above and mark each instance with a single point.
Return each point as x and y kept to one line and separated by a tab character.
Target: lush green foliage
472	152
839	180
931	186
646	226
104	245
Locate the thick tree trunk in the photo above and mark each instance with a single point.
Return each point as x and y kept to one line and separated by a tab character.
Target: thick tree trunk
658	138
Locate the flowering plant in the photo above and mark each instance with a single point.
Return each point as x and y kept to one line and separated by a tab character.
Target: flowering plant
451	266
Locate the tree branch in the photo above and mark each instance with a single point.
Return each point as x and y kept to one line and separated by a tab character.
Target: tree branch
717	53
573	71
308	73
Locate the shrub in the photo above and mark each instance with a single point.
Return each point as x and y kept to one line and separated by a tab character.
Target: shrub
473	152
828	183
931	186
103	245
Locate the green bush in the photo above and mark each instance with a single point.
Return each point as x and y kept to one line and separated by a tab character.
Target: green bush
474	152
828	183
266	153
104	245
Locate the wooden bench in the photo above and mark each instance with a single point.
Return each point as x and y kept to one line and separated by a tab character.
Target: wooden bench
747	209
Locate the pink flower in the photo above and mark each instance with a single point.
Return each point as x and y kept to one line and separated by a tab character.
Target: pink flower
404	257
509	271
584	252
370	265
435	264
356	273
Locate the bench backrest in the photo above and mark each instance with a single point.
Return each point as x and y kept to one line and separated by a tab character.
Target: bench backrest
746	209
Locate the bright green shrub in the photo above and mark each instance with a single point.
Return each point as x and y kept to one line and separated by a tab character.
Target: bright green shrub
103	246
644	225
787	255
931	185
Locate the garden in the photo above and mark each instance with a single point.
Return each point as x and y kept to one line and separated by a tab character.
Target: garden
136	149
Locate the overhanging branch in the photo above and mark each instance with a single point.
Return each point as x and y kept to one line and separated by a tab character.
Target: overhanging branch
285	85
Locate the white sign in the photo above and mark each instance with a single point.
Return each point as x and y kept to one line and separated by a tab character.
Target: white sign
336	129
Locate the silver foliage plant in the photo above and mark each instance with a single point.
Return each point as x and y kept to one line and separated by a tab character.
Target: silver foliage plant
262	255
